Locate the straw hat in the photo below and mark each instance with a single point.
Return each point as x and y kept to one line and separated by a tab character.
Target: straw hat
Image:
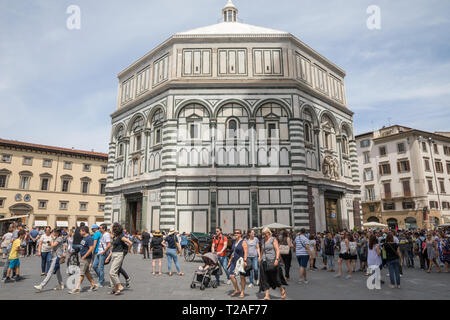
171	231
157	233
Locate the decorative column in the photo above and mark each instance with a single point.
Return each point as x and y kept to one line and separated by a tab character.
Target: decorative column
168	168
109	180
298	165
311	211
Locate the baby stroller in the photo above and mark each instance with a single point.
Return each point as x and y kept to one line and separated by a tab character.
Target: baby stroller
203	276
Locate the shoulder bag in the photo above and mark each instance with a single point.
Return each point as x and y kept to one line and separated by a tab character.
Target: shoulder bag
269	265
284	248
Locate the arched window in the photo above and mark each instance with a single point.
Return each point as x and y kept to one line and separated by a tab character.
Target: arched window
329	133
373	219
193	123
392	223
136	131
120	146
344	145
232	122
308	127
156	122
272	122
232	127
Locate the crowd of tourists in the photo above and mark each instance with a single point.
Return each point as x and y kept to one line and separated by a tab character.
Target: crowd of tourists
262	260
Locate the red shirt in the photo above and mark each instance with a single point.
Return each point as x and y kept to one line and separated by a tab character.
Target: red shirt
219	243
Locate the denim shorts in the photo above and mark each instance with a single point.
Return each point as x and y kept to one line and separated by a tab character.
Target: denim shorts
303	261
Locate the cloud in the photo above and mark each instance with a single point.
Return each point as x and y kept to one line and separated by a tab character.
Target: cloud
59	86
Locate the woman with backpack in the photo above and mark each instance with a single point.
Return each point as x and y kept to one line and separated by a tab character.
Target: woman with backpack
173	246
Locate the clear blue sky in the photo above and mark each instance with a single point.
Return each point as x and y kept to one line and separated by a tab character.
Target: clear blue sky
58	87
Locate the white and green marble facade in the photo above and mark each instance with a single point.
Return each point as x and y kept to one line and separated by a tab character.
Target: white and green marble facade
205	78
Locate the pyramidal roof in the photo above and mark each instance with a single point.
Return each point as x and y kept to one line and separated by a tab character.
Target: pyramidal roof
231	28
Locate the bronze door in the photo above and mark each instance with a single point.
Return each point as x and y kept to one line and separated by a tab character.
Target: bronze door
332	215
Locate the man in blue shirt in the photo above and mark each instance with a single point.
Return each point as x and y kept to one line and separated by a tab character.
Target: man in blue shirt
34	236
86	253
96	237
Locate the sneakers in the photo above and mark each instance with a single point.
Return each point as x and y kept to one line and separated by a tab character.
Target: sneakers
337	275
250	285
75	291
59	287
127	282
93	288
38	287
9	280
228	282
302	282
348	277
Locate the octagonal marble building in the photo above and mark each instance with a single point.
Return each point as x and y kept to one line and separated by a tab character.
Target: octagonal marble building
236	126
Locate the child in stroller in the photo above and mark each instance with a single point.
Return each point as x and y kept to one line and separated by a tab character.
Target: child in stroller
203	276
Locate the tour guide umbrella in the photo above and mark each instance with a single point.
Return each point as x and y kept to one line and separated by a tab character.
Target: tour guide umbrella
274	226
374	225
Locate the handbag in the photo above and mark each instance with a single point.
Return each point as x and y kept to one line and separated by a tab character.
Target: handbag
284	249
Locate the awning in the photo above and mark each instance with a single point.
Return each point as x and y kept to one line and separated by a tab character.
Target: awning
62	223
40	223
14	218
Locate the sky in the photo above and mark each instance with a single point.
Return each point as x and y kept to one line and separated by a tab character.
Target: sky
59	86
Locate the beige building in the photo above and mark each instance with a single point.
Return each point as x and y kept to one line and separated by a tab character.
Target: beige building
52	186
405	177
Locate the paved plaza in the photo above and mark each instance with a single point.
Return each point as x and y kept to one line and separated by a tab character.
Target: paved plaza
416	284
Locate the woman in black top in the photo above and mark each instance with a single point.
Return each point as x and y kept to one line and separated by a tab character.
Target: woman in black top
393	258
157	250
120	247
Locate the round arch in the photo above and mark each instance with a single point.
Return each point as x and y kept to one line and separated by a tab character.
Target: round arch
346	127
310	108
332	118
392	223
232	101
281	103
152	113
115	130
192	101
135	116
373	219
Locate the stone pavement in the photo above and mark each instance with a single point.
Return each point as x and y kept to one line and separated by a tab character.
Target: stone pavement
416	284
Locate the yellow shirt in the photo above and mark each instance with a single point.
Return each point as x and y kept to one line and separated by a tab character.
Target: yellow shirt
14	252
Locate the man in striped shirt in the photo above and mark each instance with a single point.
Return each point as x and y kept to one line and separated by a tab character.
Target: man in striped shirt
302	251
